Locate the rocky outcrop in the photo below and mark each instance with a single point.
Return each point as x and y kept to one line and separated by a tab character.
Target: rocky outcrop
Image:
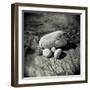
67	64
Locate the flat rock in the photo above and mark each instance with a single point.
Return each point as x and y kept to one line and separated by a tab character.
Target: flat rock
68	64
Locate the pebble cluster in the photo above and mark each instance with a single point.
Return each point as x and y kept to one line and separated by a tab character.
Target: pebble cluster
51	44
53	51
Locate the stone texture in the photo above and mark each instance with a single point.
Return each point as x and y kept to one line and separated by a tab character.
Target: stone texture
54	39
68	64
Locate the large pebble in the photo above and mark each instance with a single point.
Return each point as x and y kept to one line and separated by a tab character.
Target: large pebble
57	53
54	39
47	52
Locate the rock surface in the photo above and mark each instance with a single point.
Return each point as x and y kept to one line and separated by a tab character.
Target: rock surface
67	64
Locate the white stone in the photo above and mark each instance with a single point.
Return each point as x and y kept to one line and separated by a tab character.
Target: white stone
54	39
53	49
57	53
47	52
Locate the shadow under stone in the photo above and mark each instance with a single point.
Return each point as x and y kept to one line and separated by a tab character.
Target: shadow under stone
62	55
69	46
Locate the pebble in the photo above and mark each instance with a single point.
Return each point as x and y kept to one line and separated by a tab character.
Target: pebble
47	52
57	53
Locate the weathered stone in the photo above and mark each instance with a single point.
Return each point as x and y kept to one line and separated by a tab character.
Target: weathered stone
54	39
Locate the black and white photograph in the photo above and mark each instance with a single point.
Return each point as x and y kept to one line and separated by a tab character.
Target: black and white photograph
49	44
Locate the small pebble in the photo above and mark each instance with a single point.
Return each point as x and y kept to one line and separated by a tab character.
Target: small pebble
53	49
57	53
47	52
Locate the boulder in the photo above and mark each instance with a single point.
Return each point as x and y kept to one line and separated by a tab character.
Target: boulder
55	39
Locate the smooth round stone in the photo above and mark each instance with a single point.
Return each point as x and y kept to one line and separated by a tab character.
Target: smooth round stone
57	53
53	49
47	52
